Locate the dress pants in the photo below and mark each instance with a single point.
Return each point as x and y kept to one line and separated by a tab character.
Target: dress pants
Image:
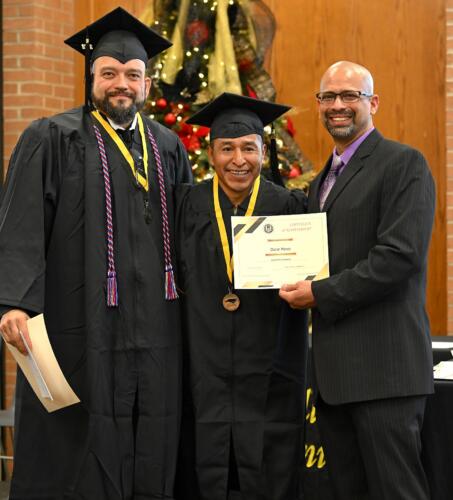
373	448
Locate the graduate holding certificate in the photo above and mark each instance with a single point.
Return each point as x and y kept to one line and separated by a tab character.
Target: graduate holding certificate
244	349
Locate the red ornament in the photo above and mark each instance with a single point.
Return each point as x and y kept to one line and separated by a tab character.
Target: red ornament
290	127
190	142
245	65
161	103
197	33
294	172
194	144
251	92
184	128
202	131
170	119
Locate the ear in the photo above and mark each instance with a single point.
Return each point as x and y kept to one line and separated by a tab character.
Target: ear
210	155
147	86
374	104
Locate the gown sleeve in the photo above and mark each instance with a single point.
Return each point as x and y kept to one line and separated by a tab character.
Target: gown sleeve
183	167
27	209
184	224
297	202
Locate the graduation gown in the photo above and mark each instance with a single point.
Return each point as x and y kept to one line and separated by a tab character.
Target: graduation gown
124	363
243	370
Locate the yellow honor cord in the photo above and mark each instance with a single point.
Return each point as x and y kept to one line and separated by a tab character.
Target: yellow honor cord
125	152
221	224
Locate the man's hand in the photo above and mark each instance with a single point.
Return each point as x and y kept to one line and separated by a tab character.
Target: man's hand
298	295
11	323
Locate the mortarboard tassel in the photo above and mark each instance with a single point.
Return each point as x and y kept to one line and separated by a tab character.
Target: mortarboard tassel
88	48
273	157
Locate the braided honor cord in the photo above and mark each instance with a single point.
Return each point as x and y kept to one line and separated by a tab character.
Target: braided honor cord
112	287
170	287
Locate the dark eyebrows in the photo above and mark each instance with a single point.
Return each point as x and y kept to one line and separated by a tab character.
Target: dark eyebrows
115	70
226	142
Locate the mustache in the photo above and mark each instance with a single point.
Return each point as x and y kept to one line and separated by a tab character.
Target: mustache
124	93
346	113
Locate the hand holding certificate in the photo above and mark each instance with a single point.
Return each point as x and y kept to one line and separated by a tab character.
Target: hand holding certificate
42	370
270	251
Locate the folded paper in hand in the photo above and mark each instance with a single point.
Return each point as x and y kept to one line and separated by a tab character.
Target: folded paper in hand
42	370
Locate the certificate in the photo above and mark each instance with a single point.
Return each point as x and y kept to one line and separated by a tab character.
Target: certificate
42	370
270	251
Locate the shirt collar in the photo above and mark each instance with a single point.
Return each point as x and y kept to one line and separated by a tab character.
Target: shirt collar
352	148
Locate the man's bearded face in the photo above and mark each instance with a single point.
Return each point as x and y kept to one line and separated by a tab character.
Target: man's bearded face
119	90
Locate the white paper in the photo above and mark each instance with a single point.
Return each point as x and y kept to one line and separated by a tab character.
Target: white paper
42	370
35	371
444	370
442	345
270	251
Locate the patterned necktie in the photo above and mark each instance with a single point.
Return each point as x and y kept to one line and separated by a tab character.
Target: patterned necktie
126	136
330	180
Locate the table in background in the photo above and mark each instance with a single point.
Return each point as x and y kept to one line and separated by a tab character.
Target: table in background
437	435
437	440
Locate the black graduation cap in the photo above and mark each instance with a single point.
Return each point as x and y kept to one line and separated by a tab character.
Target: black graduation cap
233	115
120	35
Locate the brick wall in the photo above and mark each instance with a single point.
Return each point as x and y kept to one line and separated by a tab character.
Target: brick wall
449	142
38	72
38	67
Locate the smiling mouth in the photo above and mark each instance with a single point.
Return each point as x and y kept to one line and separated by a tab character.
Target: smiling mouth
121	96
339	119
238	173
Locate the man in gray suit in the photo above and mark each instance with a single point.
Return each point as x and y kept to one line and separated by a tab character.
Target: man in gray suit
371	338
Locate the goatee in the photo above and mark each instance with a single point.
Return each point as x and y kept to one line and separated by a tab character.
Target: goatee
341	131
121	115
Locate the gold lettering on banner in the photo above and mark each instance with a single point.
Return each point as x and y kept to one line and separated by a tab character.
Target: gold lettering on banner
311	412
321	459
314	453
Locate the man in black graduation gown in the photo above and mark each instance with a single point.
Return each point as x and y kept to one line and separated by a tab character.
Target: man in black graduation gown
244	351
86	238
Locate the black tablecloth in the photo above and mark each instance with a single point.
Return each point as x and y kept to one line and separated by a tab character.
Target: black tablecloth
437	435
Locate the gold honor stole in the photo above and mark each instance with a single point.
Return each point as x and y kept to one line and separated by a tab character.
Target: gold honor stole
221	224
143	181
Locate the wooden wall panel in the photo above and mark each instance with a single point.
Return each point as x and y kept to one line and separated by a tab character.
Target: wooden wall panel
402	42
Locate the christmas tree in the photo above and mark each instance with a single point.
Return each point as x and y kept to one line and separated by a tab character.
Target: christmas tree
218	46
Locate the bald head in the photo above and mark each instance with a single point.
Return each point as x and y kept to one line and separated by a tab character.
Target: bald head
347	71
346	102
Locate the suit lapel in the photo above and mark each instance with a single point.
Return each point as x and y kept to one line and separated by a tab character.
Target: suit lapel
354	165
313	198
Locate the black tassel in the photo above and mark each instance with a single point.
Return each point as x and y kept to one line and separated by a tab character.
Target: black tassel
88	49
276	176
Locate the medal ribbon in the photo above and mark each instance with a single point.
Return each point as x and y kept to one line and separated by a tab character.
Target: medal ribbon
221	224
143	181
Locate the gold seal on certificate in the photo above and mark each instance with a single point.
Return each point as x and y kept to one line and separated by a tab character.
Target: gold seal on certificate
270	251
231	302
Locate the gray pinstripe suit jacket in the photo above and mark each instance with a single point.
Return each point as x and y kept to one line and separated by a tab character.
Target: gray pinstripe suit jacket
371	336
